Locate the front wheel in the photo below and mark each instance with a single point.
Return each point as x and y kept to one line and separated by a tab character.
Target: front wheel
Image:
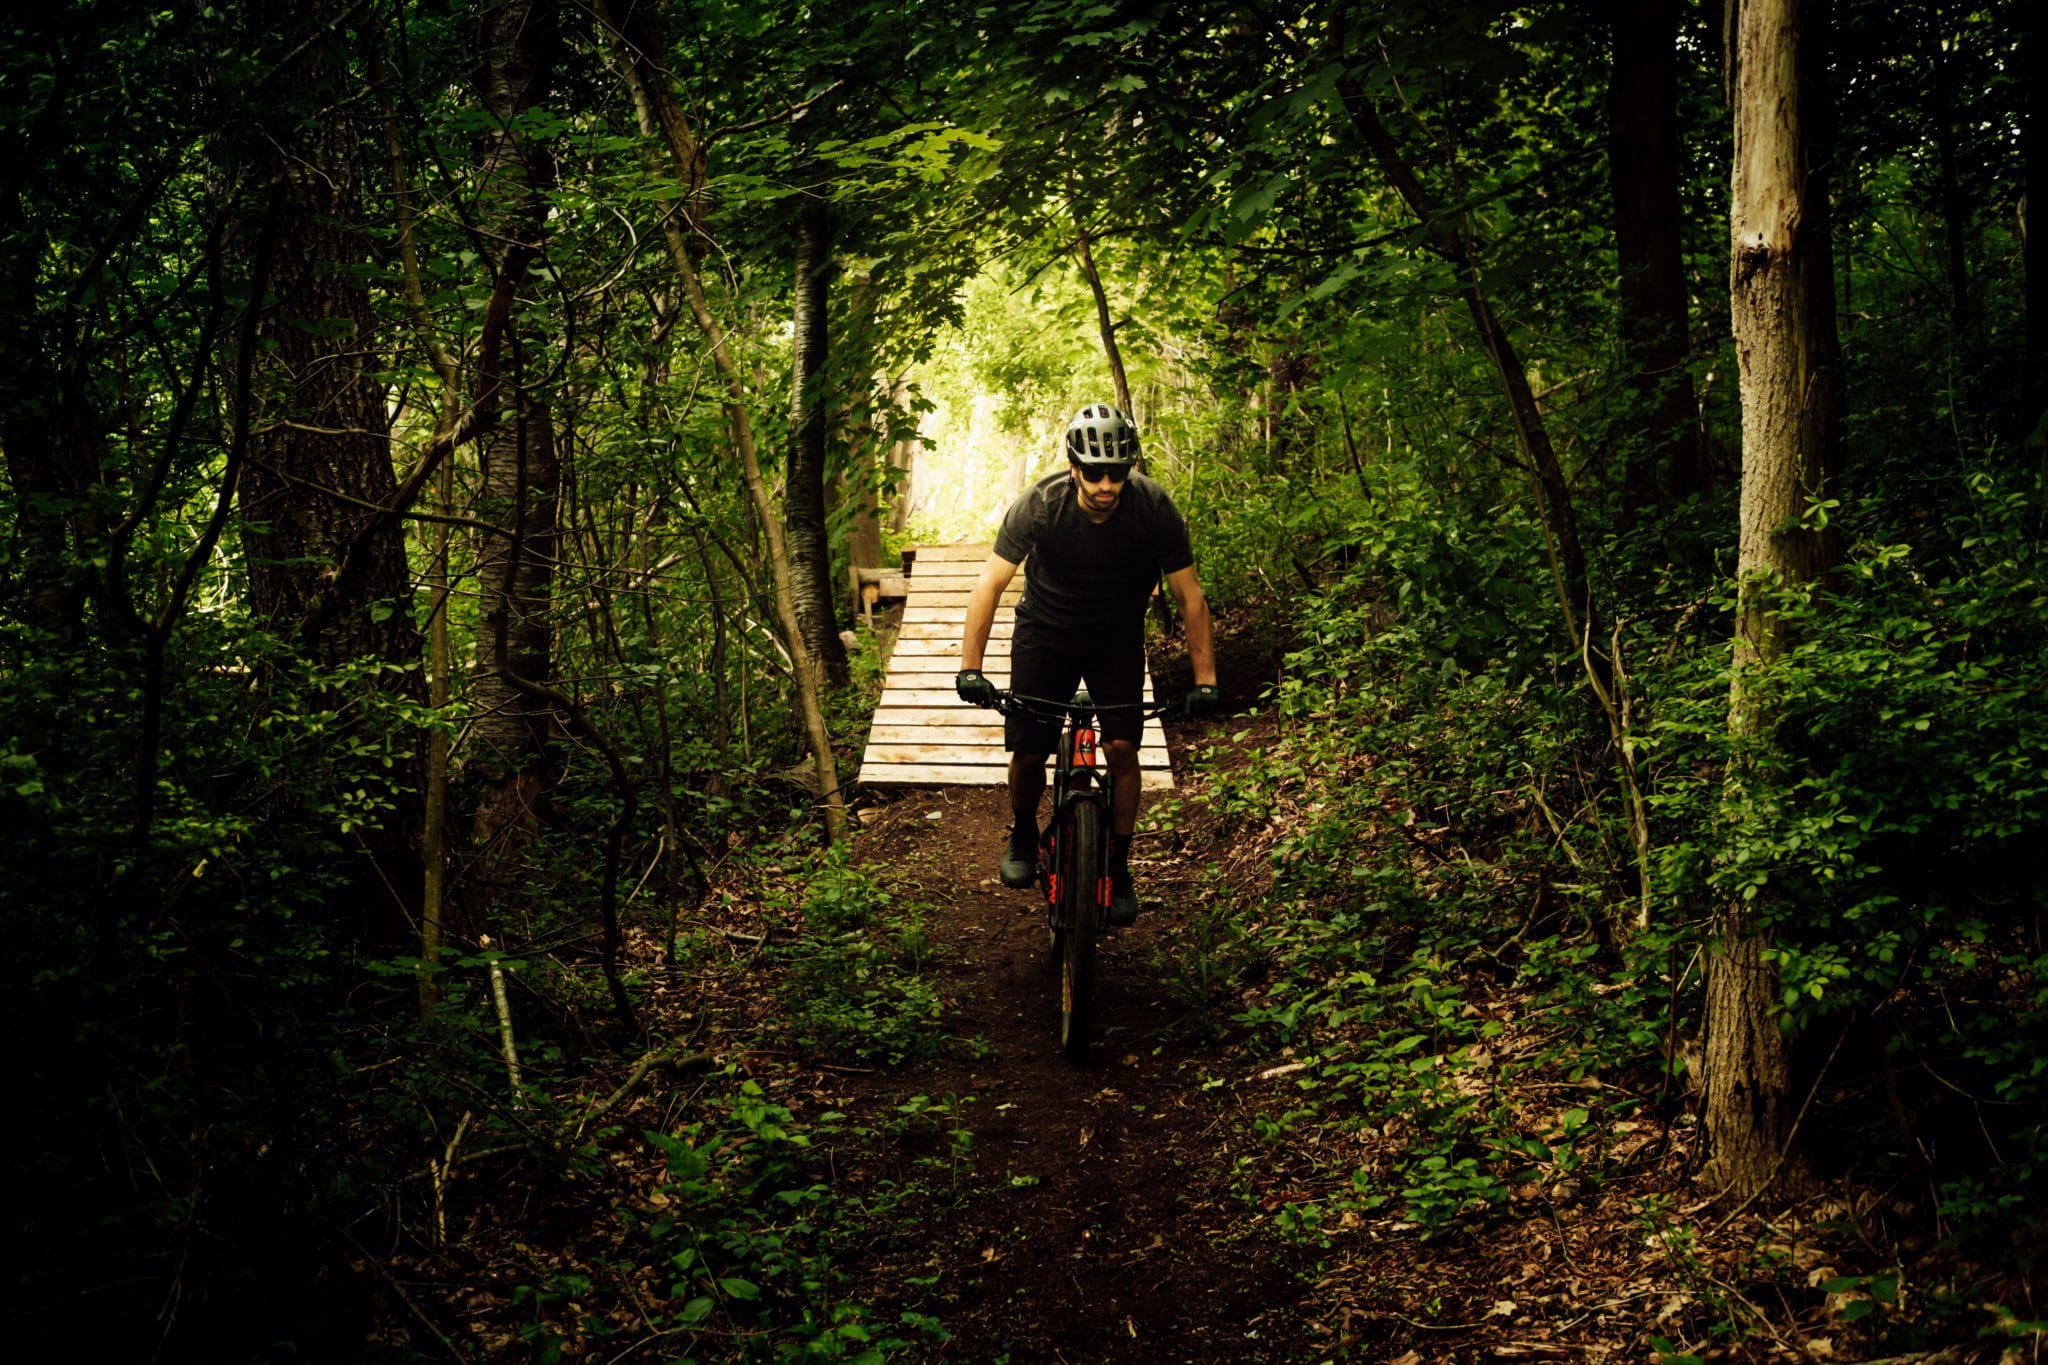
1080	895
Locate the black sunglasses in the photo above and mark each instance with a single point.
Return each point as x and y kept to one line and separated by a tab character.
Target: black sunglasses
1116	473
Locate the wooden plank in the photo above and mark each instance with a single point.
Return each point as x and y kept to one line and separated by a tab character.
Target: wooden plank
904	723
922	696
944	649
925	554
958	714
924	589
971	775
940	674
921	733
921	613
943	663
911	732
927	689
938	576
949	629
953	753
957	601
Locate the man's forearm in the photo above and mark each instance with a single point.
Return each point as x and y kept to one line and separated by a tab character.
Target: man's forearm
1201	642
981	616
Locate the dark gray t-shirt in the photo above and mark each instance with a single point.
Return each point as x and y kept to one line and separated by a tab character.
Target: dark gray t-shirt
1088	577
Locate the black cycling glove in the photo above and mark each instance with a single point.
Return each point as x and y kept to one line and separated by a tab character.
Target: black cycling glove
1202	700
974	689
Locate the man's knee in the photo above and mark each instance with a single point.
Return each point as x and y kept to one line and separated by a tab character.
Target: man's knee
1122	753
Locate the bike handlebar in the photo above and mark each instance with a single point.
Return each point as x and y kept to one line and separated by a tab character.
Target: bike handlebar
1016	703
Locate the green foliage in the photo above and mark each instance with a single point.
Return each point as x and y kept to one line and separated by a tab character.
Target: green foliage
212	821
740	1232
853	988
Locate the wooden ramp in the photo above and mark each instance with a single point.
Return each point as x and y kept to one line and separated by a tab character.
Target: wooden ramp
924	735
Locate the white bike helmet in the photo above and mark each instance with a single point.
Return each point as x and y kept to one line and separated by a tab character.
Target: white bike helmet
1101	435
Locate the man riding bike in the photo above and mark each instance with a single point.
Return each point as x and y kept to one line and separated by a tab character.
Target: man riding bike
1098	537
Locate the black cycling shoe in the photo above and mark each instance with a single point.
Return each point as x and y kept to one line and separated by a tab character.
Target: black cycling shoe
1020	861
1123	900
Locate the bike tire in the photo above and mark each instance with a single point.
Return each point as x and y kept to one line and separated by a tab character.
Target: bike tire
1080	888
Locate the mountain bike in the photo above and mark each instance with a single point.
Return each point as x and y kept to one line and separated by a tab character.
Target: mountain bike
1073	850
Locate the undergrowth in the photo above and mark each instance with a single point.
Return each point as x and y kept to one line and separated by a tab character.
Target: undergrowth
1443	959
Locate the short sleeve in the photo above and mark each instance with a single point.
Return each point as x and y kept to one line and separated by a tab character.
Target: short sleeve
1020	527
1170	538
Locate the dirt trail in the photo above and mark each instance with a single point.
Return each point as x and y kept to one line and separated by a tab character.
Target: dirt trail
1103	1227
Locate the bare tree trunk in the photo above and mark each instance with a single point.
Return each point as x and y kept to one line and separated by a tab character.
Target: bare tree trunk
1782	289
660	116
810	547
1642	161
1085	256
521	472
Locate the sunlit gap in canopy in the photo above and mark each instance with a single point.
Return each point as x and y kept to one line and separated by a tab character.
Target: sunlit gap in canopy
1003	383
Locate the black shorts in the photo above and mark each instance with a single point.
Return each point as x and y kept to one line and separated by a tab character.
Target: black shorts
1051	663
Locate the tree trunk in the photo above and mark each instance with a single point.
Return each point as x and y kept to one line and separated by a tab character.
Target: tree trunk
1085	256
1782	288
900	458
1955	205
661	117
857	487
810	547
1642	163
434	828
326	432
323	565
42	467
521	473
1288	371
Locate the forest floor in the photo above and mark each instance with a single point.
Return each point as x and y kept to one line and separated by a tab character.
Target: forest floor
1125	1210
1188	1194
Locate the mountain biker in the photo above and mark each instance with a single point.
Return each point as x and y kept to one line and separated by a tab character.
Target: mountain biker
1098	535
